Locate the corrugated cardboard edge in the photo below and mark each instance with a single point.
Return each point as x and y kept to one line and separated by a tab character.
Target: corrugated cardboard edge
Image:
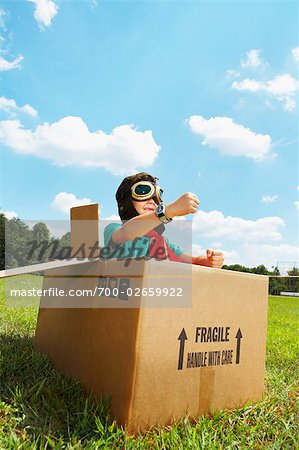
266	326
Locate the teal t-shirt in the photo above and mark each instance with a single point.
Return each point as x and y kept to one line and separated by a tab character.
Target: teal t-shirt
141	244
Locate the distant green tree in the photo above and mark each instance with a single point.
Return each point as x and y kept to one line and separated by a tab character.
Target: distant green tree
41	237
261	270
65	240
17	237
237	268
275	271
40	231
275	283
294	272
293	282
63	245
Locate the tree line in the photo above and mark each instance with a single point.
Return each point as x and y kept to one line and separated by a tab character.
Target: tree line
15	236
17	240
276	285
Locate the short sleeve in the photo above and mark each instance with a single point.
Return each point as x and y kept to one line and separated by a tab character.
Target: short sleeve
174	247
108	231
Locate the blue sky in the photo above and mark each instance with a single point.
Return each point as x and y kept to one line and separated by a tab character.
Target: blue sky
201	94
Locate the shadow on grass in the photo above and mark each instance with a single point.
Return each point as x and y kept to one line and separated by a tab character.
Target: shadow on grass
48	403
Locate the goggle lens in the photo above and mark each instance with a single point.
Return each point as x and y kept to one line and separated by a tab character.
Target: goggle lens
142	189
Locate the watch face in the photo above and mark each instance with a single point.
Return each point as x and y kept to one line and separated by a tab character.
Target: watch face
160	209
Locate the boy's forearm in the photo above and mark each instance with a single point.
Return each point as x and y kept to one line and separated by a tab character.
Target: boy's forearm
136	227
139	226
190	259
184	257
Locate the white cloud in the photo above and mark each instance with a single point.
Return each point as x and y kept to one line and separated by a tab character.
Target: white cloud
269	198
179	218
247	85
231	257
28	109
45	11
112	217
268	254
255	241
6	39
255	254
231	73
9	214
295	54
253	60
283	88
64	201
9	65
231	138
198	250
214	224
10	106
69	142
216	245
297	204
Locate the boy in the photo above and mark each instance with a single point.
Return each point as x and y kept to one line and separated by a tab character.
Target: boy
144	214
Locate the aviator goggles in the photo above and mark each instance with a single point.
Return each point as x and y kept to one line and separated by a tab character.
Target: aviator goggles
144	190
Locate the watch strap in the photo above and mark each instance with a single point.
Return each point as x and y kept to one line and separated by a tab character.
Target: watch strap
160	212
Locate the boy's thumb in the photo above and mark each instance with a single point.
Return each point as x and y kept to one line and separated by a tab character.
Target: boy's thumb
209	253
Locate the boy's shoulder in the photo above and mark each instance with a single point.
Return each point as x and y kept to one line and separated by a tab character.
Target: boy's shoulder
112	226
109	230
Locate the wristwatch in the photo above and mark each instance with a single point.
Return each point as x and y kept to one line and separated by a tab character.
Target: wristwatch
160	212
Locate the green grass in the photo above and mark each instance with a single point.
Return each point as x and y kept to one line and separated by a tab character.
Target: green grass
40	409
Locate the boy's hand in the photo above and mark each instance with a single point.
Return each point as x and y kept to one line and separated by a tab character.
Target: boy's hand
186	204
213	259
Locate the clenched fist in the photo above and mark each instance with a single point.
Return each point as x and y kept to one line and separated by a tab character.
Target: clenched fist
186	204
214	259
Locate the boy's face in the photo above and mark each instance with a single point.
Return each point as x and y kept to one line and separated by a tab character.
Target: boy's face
145	206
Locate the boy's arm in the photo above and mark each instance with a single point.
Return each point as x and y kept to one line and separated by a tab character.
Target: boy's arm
213	258
140	225
136	227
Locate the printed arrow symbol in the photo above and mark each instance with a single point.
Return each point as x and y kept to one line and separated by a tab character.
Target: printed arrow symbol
182	338
238	337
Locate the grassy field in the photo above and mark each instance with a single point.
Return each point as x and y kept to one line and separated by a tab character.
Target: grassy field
41	409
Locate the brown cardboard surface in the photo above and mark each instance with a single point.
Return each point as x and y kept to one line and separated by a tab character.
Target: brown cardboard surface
97	346
220	298
85	227
133	353
137	348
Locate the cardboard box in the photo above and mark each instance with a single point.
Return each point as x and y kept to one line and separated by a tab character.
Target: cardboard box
159	357
162	363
